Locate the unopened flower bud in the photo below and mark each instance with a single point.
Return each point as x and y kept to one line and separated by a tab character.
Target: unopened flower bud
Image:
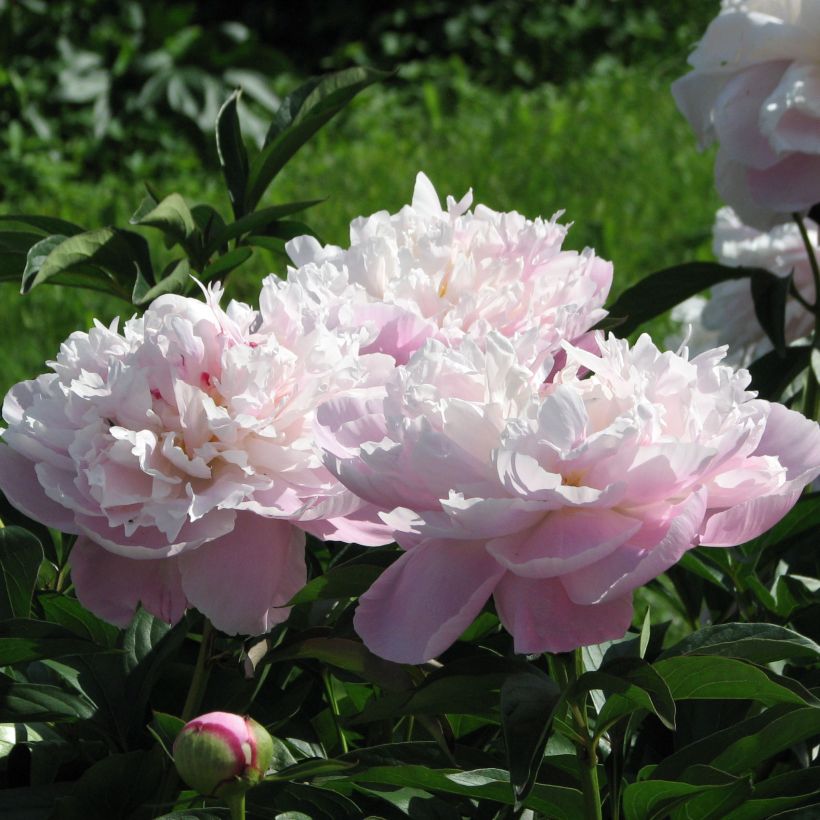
221	754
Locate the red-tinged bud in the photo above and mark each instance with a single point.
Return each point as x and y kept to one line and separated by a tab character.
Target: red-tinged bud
221	754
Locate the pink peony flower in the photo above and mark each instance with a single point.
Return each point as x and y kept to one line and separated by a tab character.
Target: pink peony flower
755	88
558	500
173	442
453	274
729	316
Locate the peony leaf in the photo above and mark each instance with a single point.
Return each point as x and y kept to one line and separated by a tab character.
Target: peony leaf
23	640
760	643
171	216
772	373
225	264
299	117
712	791
770	294
70	613
694	677
258	221
528	702
233	158
344	581
662	290
31	702
20	556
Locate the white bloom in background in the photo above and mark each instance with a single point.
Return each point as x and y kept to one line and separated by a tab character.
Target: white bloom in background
728	318
453	273
755	89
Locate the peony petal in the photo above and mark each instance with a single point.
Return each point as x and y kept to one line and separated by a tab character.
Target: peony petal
364	527
789	186
242	580
541	617
23	490
566	540
421	604
112	586
653	549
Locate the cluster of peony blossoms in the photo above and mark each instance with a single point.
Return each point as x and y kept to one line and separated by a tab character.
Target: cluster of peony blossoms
439	384
754	89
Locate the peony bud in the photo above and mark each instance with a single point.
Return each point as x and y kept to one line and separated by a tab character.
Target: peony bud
221	754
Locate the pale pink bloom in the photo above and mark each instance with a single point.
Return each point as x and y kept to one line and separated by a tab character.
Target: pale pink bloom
728	318
174	441
755	89
558	500
451	274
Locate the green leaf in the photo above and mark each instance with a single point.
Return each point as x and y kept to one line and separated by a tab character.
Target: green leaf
225	264
344	581
47	224
210	223
149	646
655	799
759	643
36	803
171	216
662	290
349	655
33	702
176	278
752	740
478	784
23	640
70	613
116	786
12	265
528	701
638	686
20	557
777	794
770	294
772	373
313	767
714	677
300	116
258	221
121	254
233	158
165	729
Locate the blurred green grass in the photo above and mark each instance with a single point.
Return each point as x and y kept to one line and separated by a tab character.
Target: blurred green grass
609	149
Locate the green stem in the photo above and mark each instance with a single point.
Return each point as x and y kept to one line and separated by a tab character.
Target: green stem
570	668
202	670
811	395
236	803
334	709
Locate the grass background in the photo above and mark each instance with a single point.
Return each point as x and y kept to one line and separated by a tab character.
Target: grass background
609	148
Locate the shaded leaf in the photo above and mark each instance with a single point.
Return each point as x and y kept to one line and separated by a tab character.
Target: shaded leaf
349	655
165	729
233	158
777	794
70	613
47	224
662	290
772	373
225	264
770	294
258	221
528	701
655	799
20	556
176	278
32	702
344	581
23	640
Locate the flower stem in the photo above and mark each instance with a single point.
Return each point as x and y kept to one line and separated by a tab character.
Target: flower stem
202	670
236	804
812	389
566	669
